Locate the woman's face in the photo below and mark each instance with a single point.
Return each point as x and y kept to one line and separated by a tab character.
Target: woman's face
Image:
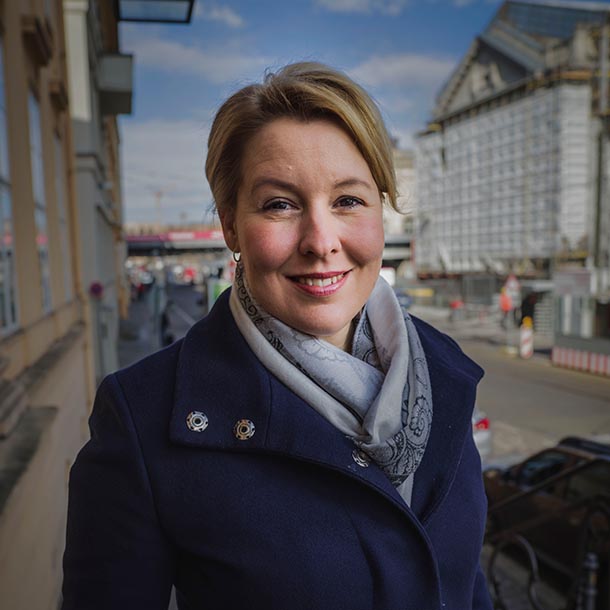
308	224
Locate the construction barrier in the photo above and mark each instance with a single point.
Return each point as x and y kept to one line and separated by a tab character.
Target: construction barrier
526	338
581	360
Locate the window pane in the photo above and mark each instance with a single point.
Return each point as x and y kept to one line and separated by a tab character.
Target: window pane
40	213
4	171
542	467
8	301
590	482
8	304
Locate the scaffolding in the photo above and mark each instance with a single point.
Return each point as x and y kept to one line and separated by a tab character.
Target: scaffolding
508	187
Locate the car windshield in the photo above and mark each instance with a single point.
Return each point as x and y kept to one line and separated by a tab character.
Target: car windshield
592	481
541	467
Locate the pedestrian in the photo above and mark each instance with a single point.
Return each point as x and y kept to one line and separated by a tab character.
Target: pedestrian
528	307
308	445
456	309
167	337
506	307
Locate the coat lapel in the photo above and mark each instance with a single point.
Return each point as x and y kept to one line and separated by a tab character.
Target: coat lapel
454	377
219	376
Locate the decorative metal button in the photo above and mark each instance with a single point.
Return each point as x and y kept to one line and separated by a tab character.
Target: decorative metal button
361	458
197	421
244	429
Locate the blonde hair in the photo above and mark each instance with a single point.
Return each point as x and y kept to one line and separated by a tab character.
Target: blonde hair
304	91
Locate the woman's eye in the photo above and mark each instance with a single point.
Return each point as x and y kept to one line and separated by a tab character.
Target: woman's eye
349	202
277	204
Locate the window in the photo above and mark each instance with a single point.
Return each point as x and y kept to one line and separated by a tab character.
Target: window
64	240
542	467
8	296
40	206
594	480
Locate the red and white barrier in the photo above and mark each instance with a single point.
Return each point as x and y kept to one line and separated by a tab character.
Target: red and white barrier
581	360
526	341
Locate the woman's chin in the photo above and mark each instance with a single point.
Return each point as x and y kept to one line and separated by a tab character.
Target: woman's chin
336	334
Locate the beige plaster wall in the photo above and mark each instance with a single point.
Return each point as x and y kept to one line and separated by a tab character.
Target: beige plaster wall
32	524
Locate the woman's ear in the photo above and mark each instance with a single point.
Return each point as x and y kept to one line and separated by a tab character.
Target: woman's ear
227	221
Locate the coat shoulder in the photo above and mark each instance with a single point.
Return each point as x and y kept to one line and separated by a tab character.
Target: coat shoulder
152	377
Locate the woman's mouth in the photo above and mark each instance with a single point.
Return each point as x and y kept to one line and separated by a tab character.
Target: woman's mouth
309	280
320	284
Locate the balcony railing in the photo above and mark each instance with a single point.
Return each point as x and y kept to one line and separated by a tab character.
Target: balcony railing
588	576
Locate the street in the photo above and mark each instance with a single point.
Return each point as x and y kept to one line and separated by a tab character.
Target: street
187	305
532	404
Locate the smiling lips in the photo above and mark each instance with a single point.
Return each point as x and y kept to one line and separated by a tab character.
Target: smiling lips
321	284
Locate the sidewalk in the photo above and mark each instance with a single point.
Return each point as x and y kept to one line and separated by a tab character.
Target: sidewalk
481	327
137	335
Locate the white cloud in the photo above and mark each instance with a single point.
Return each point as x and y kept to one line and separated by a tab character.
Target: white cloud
216	66
403	70
386	7
168	157
404	86
221	14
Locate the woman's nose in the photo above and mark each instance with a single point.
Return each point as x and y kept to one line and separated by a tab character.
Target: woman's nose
319	234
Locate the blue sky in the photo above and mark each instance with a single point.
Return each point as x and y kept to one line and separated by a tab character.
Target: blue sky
400	50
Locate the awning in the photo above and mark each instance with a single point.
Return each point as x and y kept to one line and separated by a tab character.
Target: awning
154	11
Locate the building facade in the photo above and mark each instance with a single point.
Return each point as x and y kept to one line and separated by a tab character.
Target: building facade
513	169
100	79
63	81
398	226
508	189
46	364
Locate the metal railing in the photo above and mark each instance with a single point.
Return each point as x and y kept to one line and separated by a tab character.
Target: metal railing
583	592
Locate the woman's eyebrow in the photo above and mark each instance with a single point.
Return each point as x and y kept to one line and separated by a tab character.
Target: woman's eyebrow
270	181
352	182
283	184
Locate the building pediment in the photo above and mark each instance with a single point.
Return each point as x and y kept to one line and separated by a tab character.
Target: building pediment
523	40
484	72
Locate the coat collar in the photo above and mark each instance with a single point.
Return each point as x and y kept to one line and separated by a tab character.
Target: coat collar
218	375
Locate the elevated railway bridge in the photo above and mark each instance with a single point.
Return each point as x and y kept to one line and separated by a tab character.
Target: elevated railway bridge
172	243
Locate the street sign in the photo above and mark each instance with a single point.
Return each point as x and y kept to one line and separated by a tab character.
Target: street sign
512	284
512	287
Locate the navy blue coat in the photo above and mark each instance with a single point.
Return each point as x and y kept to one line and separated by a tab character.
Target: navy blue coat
286	520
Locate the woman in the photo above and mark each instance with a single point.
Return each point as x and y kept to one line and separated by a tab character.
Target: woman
307	445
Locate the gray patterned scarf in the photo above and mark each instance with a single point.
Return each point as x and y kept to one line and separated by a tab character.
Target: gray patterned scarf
379	395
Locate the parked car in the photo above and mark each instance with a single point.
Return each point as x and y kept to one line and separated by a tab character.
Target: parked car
559	501
481	431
